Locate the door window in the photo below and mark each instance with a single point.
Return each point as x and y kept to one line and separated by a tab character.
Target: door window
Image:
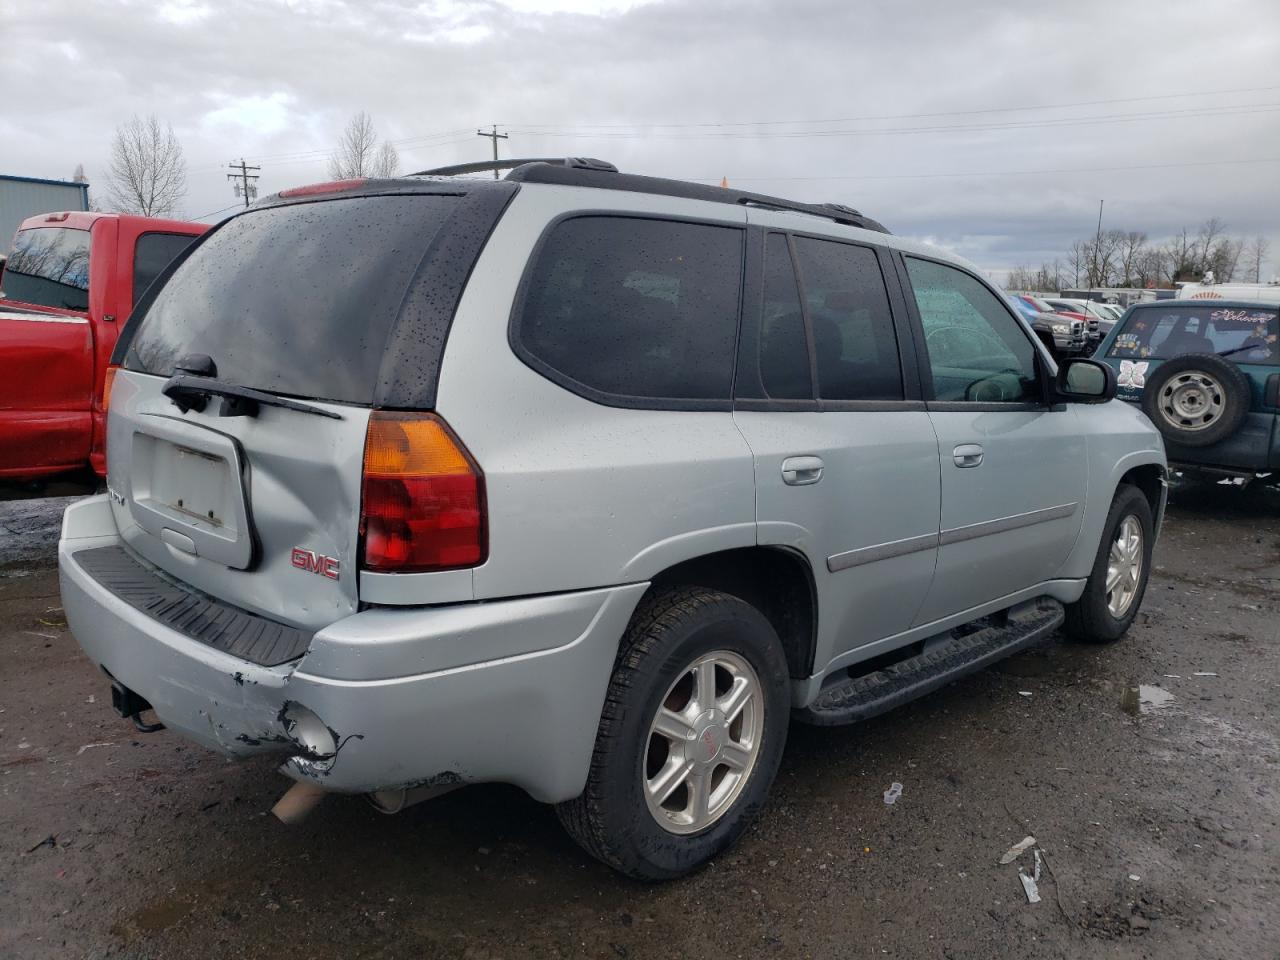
635	308
853	337
977	351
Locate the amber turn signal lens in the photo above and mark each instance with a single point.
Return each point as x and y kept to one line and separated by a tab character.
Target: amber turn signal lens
107	380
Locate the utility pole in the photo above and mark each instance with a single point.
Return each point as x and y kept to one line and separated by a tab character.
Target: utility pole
241	178
495	136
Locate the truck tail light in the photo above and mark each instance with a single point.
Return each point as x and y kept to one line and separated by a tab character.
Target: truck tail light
108	379
422	497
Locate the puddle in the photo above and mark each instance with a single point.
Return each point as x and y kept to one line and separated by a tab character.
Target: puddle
1144	698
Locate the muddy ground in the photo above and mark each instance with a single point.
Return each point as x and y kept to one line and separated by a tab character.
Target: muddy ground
1159	825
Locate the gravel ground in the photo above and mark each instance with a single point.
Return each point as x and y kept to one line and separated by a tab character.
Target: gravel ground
1158	824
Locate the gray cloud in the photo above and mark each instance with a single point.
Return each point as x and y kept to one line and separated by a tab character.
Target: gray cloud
275	82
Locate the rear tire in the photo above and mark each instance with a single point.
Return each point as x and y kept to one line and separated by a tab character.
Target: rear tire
690	658
1120	573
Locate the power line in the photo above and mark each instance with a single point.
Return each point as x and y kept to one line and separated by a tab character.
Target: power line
1240	110
989	173
916	116
216	212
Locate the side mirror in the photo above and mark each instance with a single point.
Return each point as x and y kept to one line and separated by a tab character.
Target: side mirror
1085	381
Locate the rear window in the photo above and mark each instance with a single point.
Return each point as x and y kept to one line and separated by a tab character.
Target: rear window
151	254
49	266
635	310
1244	335
299	299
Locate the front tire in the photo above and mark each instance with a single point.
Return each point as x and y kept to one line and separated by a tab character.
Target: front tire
690	739
1120	573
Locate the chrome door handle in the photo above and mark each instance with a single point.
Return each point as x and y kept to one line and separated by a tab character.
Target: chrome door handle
967	455
799	471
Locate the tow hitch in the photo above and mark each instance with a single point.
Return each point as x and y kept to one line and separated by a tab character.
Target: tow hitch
130	706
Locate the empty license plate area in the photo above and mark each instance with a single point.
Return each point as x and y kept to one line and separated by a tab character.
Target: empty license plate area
187	491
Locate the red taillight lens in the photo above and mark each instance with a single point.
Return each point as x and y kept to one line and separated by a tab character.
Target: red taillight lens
422	502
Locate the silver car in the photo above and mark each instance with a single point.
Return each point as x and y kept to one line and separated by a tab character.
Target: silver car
588	483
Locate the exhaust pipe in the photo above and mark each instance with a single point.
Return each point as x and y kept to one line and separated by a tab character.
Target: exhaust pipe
393	801
297	802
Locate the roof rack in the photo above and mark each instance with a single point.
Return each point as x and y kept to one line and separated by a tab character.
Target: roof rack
487	166
589	172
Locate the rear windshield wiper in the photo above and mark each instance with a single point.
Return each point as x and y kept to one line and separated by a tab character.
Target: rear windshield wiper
1247	346
190	392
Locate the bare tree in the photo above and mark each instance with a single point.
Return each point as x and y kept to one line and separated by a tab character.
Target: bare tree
1210	233
1181	257
1131	247
1256	254
1079	254
148	174
360	155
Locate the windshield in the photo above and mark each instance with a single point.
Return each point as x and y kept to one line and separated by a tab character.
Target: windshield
1245	334
49	266
298	299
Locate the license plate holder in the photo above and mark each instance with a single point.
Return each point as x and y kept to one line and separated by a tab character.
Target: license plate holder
187	489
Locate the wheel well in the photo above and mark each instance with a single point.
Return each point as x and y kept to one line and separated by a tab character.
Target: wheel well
774	580
1149	478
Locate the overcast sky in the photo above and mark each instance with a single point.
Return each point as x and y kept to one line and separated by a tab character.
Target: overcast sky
991	128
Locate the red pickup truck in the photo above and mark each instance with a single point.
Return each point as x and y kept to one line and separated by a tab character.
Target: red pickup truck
68	286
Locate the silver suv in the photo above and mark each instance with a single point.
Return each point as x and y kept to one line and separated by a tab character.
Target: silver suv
589	483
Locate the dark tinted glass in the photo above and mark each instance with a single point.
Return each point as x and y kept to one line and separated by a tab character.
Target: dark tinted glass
1242	334
151	254
49	266
636	308
298	299
853	337
977	350
774	356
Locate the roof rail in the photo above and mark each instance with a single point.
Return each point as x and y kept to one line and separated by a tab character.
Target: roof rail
569	175
588	172
488	166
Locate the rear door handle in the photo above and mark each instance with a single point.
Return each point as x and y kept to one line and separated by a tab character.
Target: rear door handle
967	455
800	471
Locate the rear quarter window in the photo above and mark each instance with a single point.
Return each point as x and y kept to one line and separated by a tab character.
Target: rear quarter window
634	311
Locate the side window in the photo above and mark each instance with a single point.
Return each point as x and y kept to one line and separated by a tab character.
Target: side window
151	254
635	308
853	337
977	350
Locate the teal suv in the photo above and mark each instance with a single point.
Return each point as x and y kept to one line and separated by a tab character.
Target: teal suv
1207	374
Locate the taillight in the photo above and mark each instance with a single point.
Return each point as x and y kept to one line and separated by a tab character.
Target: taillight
107	380
422	498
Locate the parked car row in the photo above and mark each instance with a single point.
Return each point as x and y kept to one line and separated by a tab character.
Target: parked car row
613	477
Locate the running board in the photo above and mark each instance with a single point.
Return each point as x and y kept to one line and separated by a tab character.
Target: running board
941	661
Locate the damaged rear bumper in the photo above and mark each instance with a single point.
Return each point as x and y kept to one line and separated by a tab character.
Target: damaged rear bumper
507	691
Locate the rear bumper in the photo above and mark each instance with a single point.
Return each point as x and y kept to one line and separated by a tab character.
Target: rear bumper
507	691
1253	448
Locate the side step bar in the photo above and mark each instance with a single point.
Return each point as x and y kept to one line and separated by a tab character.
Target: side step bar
863	697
